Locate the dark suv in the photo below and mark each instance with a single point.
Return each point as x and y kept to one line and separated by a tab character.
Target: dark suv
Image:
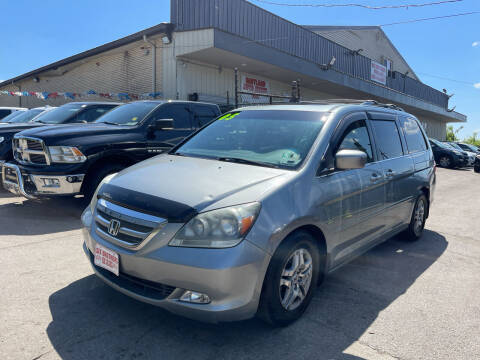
446	156
67	160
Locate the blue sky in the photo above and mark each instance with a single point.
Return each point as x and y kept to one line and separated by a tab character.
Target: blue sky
36	33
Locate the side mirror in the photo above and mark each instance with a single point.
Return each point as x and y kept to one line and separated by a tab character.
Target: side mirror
350	159
162	124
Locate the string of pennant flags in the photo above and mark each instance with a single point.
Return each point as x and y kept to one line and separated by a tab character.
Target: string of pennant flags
75	95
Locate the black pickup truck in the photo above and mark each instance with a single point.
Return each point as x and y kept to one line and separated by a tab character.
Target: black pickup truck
69	160
71	113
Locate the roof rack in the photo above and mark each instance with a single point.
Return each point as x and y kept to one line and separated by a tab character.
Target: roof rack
354	101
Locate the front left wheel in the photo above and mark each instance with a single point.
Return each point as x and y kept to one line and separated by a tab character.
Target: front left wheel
291	279
418	219
96	175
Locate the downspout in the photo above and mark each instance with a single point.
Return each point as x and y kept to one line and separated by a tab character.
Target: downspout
154	63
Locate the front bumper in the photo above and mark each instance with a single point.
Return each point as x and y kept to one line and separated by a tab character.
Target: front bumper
20	182
232	278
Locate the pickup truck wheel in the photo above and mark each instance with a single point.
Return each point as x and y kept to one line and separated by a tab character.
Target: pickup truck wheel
417	222
290	280
96	175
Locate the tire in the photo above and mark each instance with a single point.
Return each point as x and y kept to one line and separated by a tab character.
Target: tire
95	176
477	168
297	246
446	162
417	221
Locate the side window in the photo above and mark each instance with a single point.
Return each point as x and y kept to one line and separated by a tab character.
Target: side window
356	137
413	135
387	139
203	114
180	113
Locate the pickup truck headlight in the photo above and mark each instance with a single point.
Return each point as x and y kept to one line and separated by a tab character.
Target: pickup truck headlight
2	139
221	228
66	154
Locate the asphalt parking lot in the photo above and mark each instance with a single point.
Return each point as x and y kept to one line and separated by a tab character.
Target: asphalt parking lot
399	301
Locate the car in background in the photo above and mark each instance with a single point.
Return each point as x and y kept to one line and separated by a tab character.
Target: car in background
476	166
470	154
250	213
469	147
21	117
7	110
68	160
446	156
8	118
71	113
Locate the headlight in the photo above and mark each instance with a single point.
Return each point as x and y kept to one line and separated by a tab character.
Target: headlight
221	228
93	201
66	154
2	139
87	217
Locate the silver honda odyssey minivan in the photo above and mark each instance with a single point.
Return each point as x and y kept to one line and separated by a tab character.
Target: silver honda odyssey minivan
246	216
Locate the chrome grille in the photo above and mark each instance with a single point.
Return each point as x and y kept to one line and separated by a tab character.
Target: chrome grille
123	226
29	151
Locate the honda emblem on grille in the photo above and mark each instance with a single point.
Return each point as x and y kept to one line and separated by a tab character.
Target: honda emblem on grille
114	227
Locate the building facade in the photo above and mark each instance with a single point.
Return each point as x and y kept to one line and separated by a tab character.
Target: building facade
194	57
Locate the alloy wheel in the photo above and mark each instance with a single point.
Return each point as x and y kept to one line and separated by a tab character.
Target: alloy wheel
444	162
296	279
419	217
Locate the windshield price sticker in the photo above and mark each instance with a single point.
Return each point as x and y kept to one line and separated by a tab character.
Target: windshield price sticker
229	116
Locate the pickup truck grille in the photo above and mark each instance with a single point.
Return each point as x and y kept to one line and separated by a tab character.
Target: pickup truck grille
29	151
123	226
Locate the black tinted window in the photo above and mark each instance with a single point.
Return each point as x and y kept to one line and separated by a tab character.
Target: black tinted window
356	138
92	114
388	139
204	114
413	135
180	113
4	113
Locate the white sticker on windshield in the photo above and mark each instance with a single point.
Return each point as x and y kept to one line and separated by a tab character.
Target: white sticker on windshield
290	157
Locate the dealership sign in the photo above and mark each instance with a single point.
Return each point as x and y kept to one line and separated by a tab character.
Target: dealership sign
257	86
378	73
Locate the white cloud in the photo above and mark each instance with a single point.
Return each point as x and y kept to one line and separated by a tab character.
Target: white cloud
475	43
477	85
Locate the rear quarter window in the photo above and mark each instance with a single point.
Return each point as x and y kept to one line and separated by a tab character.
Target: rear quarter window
413	135
204	114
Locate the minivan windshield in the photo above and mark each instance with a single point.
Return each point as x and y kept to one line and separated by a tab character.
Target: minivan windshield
26	116
129	114
272	138
60	114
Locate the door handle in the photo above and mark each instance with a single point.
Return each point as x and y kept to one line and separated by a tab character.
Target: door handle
389	173
374	178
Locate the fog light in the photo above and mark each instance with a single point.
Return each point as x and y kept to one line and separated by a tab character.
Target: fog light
195	297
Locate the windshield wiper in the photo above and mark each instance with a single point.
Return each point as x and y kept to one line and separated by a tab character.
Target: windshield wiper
247	162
